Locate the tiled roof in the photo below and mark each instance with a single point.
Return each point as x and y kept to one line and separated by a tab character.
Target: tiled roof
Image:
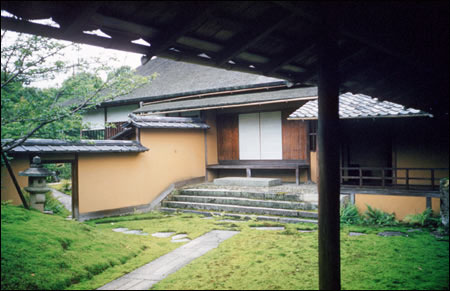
84	146
237	99
359	106
165	122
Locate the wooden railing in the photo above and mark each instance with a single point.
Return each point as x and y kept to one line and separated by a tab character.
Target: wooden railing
93	134
392	177
111	131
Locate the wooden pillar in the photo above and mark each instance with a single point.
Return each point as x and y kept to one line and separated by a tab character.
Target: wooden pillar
328	154
75	189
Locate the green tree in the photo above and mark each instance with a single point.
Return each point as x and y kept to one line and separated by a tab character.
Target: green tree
56	112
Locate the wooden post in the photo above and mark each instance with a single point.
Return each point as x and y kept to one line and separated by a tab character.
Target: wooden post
75	189
407	178
360	177
16	184
329	143
432	179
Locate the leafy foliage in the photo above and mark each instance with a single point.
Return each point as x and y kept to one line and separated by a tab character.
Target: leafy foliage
424	219
55	112
378	217
349	214
63	171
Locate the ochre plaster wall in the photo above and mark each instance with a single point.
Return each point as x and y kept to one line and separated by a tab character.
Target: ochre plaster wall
400	205
110	181
8	189
314	167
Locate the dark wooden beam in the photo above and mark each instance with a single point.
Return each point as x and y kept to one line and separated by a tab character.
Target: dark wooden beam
247	39
81	19
357	33
51	32
294	52
16	184
192	57
328	154
189	19
75	189
144	31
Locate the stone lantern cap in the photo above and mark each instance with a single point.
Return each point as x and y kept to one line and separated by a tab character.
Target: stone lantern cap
36	169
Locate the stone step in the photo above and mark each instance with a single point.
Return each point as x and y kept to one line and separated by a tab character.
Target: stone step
240	209
241	216
241	194
250	182
245	202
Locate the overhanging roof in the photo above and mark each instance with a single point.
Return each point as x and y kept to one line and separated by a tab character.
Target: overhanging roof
285	95
43	146
395	49
165	122
359	106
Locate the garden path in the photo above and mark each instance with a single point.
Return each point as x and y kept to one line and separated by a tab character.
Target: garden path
65	199
146	276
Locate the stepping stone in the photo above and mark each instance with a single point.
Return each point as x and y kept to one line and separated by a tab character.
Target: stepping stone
356	233
269	227
414	230
136	232
208	217
120	229
305	230
179	236
437	234
163	234
230	220
392	233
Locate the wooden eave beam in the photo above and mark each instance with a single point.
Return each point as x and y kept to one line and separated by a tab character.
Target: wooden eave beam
115	23
191	57
294	52
362	38
247	40
188	22
81	19
51	32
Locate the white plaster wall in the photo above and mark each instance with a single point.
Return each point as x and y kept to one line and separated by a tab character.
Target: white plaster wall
120	113
96	118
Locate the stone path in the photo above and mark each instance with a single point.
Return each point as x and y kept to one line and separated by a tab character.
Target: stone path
65	199
146	276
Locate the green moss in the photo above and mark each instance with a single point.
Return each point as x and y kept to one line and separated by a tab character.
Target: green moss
47	252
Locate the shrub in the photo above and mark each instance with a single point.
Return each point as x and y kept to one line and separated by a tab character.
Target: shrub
349	214
424	219
52	204
375	216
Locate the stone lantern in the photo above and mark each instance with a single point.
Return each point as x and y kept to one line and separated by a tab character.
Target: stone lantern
37	187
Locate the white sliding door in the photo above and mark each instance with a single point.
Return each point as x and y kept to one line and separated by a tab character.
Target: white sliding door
249	140
270	126
260	136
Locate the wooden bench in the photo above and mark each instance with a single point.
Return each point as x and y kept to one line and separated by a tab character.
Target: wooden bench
272	165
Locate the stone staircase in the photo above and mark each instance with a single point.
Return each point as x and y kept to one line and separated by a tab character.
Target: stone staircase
281	207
